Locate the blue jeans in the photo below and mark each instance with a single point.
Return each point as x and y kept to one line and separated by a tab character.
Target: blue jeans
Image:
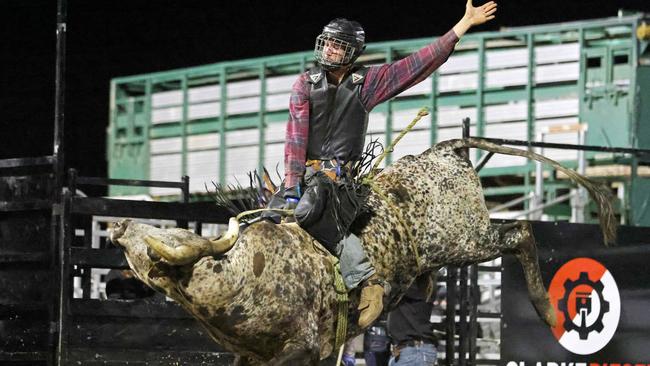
418	355
355	265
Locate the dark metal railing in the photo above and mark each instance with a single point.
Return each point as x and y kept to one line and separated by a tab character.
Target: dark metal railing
78	257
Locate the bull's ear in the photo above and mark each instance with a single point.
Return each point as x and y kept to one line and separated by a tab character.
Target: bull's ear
161	269
153	255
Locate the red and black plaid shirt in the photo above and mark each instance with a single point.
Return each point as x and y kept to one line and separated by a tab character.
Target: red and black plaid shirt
381	83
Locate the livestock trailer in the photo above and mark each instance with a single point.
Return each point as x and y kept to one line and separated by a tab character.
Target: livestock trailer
581	82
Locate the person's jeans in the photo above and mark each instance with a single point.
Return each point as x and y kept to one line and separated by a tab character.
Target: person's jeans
355	265
376	358
418	355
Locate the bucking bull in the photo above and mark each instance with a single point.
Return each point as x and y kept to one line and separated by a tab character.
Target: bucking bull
267	294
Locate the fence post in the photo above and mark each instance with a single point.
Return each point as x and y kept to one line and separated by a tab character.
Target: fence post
451	314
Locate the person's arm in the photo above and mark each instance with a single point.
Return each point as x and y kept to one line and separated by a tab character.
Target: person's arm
295	146
386	81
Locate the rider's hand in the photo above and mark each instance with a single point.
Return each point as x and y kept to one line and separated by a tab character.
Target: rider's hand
292	197
291	203
480	14
292	192
475	16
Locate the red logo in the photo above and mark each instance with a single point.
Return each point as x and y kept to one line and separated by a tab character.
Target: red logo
587	305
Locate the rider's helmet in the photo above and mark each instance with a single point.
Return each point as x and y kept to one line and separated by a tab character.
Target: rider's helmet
346	36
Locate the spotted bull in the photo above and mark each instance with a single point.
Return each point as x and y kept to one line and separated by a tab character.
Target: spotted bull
267	294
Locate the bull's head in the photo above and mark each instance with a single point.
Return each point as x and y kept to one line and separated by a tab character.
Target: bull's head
176	246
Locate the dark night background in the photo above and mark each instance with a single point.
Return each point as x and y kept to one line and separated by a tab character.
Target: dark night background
110	38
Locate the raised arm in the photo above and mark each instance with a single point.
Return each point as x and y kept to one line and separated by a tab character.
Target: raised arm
386	81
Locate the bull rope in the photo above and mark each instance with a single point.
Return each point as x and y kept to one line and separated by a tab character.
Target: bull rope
424	111
342	301
252	212
370	181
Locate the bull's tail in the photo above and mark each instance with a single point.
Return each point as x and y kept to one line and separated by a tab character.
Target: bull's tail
598	192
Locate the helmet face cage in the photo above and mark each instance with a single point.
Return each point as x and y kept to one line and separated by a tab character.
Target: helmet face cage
327	43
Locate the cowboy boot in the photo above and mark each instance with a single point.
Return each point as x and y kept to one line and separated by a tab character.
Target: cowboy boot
372	301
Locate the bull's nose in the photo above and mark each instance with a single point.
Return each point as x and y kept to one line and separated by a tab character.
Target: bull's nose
117	231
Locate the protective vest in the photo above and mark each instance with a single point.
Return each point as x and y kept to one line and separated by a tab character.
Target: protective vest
337	119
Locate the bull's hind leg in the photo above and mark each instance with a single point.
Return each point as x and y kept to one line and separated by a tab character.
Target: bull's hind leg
518	239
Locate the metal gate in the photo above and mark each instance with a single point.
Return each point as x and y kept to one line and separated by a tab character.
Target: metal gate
27	261
147	331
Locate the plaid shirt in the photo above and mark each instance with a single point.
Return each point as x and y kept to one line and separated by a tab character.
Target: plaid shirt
381	83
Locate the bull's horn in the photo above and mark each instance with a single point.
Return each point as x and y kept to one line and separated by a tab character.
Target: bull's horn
178	256
192	249
224	243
